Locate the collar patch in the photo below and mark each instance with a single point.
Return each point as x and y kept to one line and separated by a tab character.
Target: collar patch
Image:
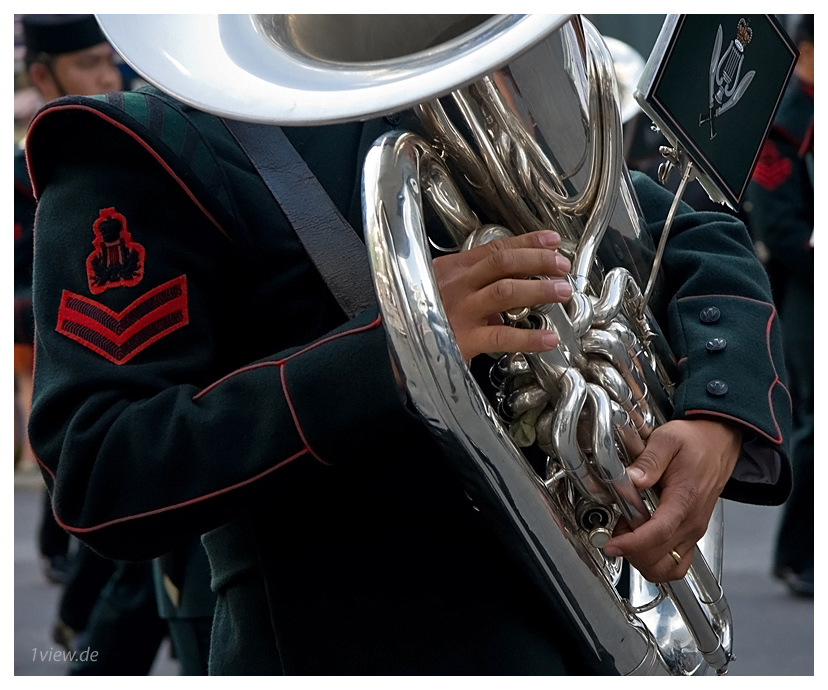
119	336
116	261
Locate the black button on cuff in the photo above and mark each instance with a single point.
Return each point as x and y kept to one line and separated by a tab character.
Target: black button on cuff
716	387
710	315
716	344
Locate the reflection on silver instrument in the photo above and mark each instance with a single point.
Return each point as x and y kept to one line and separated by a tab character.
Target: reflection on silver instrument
629	66
594	399
517	126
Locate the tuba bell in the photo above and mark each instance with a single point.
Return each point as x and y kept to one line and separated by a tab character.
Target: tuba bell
508	124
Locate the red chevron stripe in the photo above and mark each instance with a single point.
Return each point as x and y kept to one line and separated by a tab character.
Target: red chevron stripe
120	327
772	169
119	336
770	176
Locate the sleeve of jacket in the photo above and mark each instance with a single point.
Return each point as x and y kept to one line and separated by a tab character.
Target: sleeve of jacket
724	331
143	440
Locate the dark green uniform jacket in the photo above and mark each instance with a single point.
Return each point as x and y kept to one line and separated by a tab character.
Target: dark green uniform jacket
194	375
781	192
781	196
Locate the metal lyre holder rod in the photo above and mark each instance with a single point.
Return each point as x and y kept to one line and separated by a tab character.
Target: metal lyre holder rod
675	159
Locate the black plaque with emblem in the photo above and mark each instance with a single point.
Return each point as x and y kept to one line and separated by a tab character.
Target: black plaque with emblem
712	85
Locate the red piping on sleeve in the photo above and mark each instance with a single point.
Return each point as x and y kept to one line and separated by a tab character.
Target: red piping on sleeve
46	468
250	367
193	501
776	381
305	451
741	422
296	419
280	363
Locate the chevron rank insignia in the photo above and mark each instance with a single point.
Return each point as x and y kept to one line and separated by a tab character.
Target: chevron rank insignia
120	336
773	168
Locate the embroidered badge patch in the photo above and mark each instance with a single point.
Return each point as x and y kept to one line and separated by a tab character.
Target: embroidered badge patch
122	335
116	261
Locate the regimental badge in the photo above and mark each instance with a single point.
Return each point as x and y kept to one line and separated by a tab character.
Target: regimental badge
116	261
727	84
716	108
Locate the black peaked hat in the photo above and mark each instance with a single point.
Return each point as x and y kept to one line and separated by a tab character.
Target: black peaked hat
61	33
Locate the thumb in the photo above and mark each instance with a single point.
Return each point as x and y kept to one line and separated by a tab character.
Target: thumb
648	467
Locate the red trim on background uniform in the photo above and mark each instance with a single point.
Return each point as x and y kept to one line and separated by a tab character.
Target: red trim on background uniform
772	169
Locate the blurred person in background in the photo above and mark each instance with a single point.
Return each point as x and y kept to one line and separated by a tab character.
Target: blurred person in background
781	196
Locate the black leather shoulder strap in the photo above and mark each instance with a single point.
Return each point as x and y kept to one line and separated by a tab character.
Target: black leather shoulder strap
332	244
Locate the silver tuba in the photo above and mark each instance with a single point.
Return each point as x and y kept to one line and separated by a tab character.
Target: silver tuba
511	124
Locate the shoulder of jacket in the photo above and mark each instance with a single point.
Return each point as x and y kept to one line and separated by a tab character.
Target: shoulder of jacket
163	127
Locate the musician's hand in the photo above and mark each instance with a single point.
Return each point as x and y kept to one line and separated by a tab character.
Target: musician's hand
476	285
692	460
